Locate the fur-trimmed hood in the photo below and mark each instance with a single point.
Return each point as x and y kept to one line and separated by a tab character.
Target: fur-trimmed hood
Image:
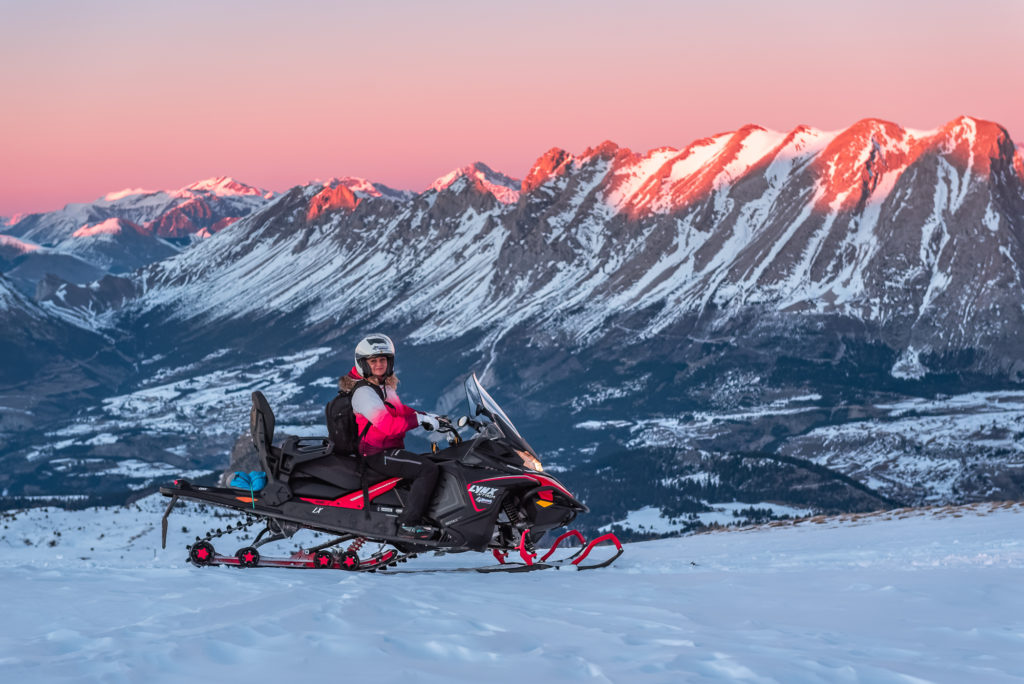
347	382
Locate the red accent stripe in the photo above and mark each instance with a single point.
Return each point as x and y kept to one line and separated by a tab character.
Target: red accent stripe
540	479
548	481
355	499
504	477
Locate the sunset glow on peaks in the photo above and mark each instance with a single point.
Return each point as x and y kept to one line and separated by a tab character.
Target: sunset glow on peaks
119	94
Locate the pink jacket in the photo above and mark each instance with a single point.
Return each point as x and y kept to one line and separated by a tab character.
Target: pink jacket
388	424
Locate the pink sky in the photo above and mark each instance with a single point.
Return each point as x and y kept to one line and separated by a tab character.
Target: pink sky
101	96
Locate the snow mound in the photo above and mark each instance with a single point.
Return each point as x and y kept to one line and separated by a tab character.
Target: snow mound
112	226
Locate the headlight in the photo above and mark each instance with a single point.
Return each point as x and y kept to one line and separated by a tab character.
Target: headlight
530	461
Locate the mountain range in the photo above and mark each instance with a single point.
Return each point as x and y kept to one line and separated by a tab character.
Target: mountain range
701	312
120	232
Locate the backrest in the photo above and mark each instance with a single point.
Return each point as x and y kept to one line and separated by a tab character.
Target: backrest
261	429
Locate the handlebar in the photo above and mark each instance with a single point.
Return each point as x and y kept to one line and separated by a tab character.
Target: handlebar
444	426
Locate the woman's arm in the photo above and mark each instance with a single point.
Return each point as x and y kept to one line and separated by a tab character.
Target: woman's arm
367	403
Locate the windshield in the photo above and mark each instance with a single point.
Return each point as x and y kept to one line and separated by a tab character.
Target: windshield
482	404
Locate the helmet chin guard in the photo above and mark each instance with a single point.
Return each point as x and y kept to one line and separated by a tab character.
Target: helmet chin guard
376	344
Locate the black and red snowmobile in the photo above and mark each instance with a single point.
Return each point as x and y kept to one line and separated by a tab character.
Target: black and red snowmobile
492	494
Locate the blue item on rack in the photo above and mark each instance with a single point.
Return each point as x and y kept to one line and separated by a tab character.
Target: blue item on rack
258	479
252	481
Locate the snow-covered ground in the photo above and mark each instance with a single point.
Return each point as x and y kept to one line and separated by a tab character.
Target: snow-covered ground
949	449
650	519
933	446
176	396
906	596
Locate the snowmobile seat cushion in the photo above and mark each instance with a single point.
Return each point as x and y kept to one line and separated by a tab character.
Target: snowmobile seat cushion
340	471
316	489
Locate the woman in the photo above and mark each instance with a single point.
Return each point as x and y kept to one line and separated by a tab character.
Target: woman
383	420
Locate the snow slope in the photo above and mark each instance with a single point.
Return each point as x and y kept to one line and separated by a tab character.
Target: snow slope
905	596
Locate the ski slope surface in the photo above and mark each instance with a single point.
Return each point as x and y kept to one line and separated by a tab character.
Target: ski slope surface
915	595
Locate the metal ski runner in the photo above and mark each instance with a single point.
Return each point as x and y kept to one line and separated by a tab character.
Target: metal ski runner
531	564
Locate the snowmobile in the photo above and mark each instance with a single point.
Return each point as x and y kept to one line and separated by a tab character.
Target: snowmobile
492	494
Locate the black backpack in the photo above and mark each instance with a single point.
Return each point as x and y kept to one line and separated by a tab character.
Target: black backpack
341	421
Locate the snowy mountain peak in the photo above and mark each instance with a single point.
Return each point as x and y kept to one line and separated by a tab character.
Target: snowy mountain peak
853	164
127	192
225	186
554	162
356	185
504	189
606	150
221	186
331	198
803	136
971	128
972	144
749	147
202	208
866	132
364	188
111	226
666	179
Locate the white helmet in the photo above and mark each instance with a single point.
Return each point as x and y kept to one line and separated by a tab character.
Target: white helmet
375	345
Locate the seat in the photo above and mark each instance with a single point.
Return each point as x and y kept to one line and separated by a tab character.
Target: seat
339	471
301	465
